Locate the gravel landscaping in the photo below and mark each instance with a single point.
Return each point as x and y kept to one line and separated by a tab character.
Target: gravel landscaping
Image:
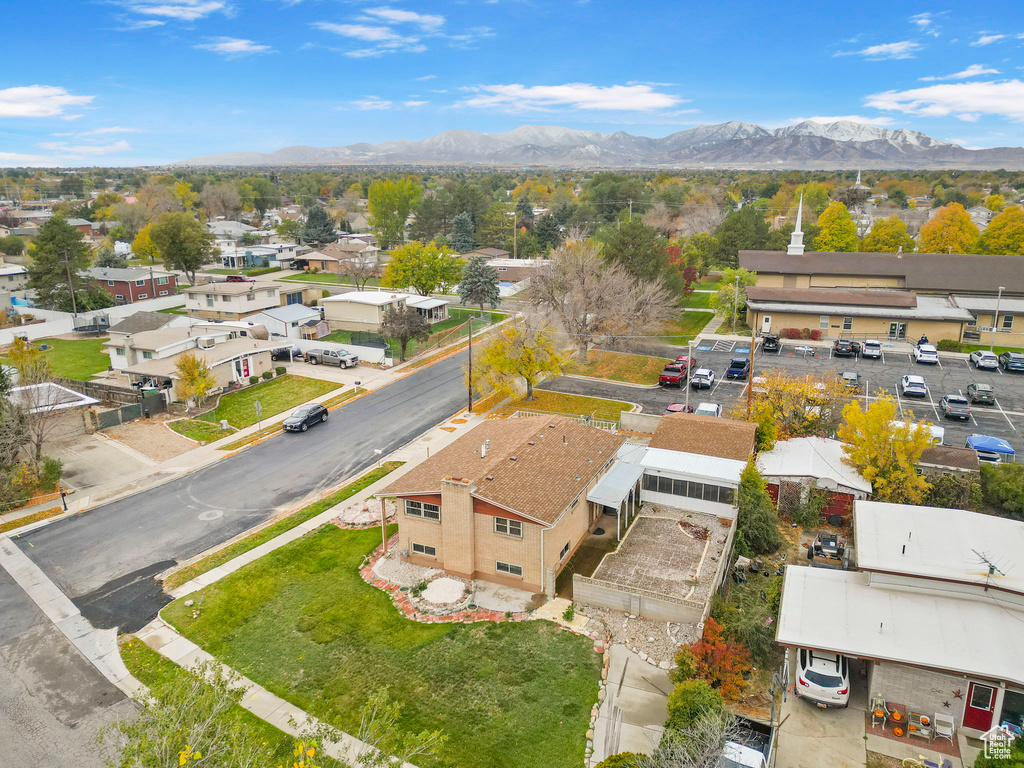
151	438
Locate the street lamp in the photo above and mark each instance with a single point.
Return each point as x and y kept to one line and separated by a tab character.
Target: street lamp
995	318
735	302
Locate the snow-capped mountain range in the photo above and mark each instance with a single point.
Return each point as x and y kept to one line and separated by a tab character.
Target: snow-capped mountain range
841	144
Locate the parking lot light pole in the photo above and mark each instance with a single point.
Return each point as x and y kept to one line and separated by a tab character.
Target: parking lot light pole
735	303
689	372
995	318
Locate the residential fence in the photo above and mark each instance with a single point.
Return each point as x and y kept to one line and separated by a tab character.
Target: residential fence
114	417
105	393
57	323
607	424
367	354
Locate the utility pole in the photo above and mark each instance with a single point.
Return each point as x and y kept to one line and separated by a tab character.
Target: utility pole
71	285
750	372
995	319
735	303
470	377
689	372
515	229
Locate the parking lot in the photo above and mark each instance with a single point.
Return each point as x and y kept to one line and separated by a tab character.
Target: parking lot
950	376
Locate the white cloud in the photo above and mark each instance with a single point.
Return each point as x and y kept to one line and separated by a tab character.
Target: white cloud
922	19
38	101
426	77
234	47
360	31
371	102
85	149
926	23
516	97
100	131
397	16
966	101
71	118
904	49
471	36
181	10
15	158
972	71
988	39
414	103
137	24
880	121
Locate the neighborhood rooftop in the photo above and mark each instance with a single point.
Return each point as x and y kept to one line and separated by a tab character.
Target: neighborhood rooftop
142	321
706	435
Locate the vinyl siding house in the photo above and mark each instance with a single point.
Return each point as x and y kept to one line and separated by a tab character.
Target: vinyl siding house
505	503
365	310
230	301
294	321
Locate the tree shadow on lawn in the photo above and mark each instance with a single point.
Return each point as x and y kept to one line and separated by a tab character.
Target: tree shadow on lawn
303	623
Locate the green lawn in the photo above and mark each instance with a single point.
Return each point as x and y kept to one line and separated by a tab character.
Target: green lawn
572	405
710	283
688	325
302	623
275	529
196	429
618	366
309	277
698	300
997	349
276	396
339	337
174	311
73	359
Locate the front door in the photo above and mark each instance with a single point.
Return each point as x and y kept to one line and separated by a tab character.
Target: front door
897	330
981	700
766	324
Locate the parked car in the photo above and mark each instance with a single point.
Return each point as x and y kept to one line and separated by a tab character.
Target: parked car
341	357
738	368
852	380
955	407
913	386
822	677
685	361
709	409
673	375
979	392
238	279
872	349
702	378
286	353
845	348
1012	361
770	343
677	408
304	417
982	358
926	353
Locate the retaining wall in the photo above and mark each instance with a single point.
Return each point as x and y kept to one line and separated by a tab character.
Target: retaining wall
639	422
603	594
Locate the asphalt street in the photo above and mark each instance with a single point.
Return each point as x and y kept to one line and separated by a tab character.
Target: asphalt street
950	376
105	559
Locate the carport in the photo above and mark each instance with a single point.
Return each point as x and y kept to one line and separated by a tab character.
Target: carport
619	489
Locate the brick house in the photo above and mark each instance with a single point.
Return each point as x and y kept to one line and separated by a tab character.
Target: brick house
506	502
128	285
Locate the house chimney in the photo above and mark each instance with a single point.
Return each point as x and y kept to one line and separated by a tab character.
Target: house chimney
899	252
564	441
483	449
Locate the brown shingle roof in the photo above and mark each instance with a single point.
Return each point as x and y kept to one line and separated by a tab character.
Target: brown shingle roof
706	435
849	297
528	467
922	271
950	456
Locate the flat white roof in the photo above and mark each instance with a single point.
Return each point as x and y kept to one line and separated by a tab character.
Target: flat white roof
938	543
376	298
709	467
816	457
840	611
615	485
48	397
12	269
425	302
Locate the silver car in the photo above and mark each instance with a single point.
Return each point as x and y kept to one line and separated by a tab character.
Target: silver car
982	358
823	677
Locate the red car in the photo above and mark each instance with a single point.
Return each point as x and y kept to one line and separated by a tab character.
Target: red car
676	373
238	279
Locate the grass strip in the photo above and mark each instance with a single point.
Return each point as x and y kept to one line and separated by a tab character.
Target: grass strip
252	541
275	396
570	405
201	431
620	366
35	517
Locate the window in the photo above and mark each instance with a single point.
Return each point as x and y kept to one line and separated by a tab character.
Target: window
973	322
119	297
508	527
110	282
250	297
147	355
270	293
1007	322
140	282
695	490
981	696
422	509
710	493
847	323
163	293
143	295
664	485
209	301
679	487
293	298
564	552
119	351
511	570
162	280
650	482
503	269
423	549
823	322
726	496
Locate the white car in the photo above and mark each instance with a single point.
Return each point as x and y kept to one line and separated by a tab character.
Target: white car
709	409
822	677
914	386
926	353
702	378
985	359
872	349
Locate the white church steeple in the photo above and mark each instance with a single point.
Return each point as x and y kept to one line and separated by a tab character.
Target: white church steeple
796	241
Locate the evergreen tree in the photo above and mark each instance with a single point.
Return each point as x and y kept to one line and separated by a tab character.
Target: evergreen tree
319	227
433	217
59	256
838	232
548	232
107	258
742	230
757	523
479	283
463	234
524	210
638	249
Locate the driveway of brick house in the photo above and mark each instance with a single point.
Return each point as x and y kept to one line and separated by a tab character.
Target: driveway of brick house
810	737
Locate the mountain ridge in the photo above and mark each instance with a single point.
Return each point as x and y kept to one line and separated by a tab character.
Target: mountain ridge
733	144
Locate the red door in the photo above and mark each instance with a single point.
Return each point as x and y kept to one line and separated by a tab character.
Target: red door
981	700
840	504
773	492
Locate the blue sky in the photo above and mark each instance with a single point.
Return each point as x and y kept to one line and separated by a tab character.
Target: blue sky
111	82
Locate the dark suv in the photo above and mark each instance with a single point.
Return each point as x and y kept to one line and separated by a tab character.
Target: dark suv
979	392
770	343
1012	361
845	348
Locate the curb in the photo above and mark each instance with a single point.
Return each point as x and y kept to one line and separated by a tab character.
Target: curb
611	381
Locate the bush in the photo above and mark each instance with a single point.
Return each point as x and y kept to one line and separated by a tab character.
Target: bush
805	333
262	271
325	293
790	333
757	525
267	375
254	379
807	513
1002	486
686	666
749	616
280	370
621	760
720	662
949	345
50	474
691	701
816	335
953	492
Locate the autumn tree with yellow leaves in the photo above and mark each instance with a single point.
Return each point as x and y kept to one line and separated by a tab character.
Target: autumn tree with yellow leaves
950	230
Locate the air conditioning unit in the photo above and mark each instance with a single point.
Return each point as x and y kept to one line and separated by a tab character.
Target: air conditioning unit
205	342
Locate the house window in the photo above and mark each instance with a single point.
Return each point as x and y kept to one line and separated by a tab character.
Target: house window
423	549
143	295
110	282
147	355
503	269
508	527
847	323
823	322
250	297
225	298
511	570
140	282
422	509
726	496
973	322
119	297
564	552
163	293
162	280
270	293
119	351
1007	322
209	301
